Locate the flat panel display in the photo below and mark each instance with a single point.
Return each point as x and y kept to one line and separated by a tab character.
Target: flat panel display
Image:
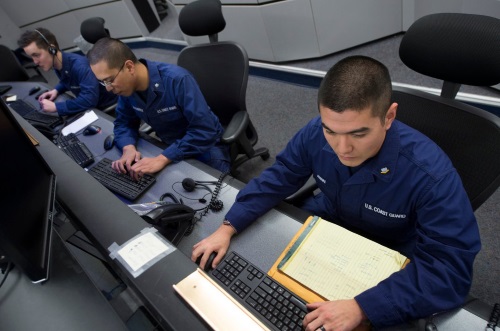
26	200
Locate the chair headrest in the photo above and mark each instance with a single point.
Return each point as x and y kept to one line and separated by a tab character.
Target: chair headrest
92	29
454	47
201	18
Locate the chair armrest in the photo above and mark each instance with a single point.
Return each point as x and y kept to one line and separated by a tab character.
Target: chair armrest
237	126
305	191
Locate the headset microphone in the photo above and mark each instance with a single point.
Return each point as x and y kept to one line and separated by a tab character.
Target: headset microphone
190	184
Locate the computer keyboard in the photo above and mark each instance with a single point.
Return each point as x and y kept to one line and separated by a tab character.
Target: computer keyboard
74	148
31	114
274	305
120	184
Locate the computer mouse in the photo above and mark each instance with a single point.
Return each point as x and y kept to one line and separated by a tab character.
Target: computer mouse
109	142
34	90
91	130
208	265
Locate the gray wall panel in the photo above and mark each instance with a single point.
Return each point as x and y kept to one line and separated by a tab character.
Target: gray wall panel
23	12
291	31
341	24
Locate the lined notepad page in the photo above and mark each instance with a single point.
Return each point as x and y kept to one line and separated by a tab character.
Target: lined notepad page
339	264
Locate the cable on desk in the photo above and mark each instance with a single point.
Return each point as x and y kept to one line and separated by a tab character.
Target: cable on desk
494	318
215	204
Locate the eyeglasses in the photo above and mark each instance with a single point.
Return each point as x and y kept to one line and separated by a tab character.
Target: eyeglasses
110	81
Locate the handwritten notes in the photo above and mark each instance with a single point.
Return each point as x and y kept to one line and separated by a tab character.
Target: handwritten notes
339	264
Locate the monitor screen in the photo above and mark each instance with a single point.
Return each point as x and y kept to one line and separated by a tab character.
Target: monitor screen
27	200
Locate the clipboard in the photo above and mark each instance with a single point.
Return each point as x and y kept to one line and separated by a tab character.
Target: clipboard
298	288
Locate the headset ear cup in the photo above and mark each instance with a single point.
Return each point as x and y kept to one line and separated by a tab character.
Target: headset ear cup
189	184
52	50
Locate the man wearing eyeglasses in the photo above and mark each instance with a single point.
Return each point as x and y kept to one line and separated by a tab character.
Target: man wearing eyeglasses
166	97
72	70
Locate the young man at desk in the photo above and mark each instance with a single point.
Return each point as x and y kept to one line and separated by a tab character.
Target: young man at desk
164	96
378	178
73	71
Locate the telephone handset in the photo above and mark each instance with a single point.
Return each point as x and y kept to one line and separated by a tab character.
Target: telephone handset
168	214
171	219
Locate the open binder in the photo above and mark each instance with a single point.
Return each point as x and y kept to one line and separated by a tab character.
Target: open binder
298	269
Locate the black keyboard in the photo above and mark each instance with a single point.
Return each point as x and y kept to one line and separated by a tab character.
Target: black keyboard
74	148
269	301
31	114
120	184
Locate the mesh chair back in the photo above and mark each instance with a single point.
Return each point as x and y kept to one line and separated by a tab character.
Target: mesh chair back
221	71
92	29
455	47
468	135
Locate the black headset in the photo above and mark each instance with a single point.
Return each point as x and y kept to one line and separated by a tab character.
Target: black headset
52	49
189	184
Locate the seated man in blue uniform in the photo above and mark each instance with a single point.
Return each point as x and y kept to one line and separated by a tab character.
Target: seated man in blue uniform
164	96
364	162
73	71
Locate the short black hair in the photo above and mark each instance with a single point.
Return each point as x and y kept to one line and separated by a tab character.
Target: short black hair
355	83
43	38
113	51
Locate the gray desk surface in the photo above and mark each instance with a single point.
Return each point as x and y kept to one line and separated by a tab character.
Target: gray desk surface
261	243
67	301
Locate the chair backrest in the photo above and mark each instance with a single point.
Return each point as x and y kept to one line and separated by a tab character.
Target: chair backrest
221	71
92	29
456	48
220	68
468	135
11	69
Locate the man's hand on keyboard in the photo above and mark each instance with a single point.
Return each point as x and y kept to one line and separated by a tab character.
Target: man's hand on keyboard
50	95
130	155
148	165
48	106
216	242
339	315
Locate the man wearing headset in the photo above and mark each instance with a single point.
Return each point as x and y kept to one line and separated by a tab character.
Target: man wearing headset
73	71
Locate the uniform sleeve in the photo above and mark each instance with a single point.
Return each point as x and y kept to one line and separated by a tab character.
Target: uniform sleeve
126	124
290	172
204	128
60	88
439	276
88	96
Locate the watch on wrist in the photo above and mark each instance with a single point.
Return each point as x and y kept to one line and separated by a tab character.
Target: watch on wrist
226	222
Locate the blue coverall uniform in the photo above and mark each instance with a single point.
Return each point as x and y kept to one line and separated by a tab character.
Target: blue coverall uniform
77	77
178	113
407	197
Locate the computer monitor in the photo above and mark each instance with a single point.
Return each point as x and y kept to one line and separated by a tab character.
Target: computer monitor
26	200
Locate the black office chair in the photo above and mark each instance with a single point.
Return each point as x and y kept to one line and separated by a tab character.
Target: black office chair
12	70
468	135
221	70
457	48
93	29
460	49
